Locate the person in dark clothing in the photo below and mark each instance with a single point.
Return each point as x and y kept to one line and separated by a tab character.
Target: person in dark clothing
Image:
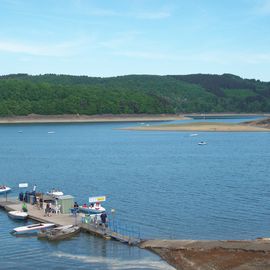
76	206
103	218
47	210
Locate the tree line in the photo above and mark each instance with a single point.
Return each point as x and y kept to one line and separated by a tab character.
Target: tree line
49	94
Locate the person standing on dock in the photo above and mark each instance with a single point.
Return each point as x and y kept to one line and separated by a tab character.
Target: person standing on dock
47	210
24	207
103	218
76	206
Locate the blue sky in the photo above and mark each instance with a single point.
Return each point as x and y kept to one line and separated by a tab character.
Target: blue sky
118	37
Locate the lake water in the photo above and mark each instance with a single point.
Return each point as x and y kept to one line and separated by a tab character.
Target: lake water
163	184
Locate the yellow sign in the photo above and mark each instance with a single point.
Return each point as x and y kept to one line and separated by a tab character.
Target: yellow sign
97	199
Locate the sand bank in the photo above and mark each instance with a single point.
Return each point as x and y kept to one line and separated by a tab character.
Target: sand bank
218	255
34	118
205	126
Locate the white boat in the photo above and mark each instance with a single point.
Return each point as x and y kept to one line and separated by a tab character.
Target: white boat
51	132
4	189
193	135
55	193
33	227
18	215
94	208
202	143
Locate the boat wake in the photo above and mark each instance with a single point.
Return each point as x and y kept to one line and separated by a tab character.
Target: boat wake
117	264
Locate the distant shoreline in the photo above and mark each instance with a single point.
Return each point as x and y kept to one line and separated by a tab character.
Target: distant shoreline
71	118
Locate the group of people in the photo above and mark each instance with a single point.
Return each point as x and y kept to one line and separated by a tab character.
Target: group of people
91	205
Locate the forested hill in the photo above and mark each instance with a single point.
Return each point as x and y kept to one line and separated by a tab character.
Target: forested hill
22	94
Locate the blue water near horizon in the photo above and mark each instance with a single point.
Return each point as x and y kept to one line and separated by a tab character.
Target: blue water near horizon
161	182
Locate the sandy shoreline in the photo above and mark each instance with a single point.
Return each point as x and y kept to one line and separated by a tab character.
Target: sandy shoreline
31	119
205	126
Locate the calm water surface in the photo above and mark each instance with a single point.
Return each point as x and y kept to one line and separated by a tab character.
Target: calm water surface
162	183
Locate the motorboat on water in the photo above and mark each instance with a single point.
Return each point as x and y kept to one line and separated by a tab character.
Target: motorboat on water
59	233
32	227
55	193
94	208
202	143
193	134
20	215
4	189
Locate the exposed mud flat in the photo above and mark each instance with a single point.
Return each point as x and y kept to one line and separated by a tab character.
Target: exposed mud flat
213	255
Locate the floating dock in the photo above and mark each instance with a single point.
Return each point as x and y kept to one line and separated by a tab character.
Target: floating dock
60	219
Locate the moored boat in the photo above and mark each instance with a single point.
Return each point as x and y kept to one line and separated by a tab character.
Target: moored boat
94	208
20	215
4	189
33	227
59	233
55	193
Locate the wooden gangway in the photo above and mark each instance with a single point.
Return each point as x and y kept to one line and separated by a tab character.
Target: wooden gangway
59	219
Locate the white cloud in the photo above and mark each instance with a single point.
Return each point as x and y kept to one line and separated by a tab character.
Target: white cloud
214	57
144	55
91	10
153	15
263	7
57	50
121	39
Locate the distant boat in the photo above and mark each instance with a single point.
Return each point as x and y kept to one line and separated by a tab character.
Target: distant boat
4	189
20	131
51	132
193	135
55	193
32	227
20	215
202	143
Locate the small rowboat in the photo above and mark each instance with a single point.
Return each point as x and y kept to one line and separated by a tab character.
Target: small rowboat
59	233
32	227
18	215
202	143
4	189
